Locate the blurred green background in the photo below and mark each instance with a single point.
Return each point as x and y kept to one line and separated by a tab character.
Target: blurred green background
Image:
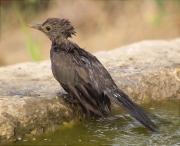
100	25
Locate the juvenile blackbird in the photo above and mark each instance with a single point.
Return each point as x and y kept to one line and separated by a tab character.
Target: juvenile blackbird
83	76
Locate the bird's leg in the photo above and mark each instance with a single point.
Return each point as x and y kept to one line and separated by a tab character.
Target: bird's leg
71	99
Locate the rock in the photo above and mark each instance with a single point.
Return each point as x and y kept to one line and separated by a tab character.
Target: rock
147	70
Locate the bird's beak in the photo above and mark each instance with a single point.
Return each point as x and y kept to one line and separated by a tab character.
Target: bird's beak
35	26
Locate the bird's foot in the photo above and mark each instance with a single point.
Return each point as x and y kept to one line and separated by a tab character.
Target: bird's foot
69	98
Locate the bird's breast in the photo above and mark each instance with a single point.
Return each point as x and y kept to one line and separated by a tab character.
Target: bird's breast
63	68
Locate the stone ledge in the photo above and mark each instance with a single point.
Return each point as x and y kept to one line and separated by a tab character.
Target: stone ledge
147	70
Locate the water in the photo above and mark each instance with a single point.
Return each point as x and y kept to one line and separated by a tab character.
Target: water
120	129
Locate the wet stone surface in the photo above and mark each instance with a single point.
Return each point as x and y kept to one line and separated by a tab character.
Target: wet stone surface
29	105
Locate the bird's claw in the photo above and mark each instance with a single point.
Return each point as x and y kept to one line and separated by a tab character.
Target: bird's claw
71	99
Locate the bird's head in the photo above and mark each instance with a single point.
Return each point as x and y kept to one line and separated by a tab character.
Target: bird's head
55	28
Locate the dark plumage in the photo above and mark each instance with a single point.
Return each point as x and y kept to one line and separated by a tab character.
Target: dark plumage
83	76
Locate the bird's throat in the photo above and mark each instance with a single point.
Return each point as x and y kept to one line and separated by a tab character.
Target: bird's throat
60	40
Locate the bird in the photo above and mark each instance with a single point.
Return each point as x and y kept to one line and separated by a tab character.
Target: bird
83	76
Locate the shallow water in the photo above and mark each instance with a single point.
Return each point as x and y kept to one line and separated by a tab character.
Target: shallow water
120	129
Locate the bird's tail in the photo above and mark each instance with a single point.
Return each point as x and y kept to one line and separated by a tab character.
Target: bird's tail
133	109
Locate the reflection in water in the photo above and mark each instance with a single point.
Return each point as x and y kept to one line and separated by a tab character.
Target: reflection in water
120	129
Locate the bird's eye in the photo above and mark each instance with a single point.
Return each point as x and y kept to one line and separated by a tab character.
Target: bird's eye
48	28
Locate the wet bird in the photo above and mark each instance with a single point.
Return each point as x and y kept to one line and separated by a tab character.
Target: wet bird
83	76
